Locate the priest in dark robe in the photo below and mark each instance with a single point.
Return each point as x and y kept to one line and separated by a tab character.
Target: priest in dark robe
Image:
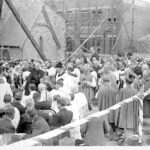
127	116
107	98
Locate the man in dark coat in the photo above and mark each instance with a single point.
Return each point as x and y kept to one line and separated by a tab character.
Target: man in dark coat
34	77
107	97
39	125
63	117
25	125
43	105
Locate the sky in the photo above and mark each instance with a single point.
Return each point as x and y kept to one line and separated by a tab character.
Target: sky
138	2
146	0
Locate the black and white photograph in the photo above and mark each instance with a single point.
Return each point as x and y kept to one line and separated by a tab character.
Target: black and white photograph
74	73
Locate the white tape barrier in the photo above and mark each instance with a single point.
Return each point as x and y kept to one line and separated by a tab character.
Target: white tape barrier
39	139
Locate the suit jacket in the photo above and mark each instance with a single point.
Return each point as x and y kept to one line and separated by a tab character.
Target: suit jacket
2	112
20	107
34	77
6	126
43	115
39	126
63	117
44	105
25	125
95	130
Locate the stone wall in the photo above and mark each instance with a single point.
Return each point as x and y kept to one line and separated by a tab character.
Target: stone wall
49	47
31	13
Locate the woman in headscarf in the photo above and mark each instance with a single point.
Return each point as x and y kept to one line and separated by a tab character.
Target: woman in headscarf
87	83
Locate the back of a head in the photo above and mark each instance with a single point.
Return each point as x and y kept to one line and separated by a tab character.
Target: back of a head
138	71
36	97
61	102
95	102
31	112
56	97
106	79
129	76
32	87
7	98
41	87
145	67
146	75
10	112
18	95
29	102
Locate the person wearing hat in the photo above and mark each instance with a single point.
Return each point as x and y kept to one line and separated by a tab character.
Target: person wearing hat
59	70
106	98
34	77
126	118
17	102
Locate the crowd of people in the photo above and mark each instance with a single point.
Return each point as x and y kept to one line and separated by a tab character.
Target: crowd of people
39	96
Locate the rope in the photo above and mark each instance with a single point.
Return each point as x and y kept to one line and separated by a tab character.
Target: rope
56	132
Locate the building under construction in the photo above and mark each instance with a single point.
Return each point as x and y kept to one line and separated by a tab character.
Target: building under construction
49	28
31	29
118	25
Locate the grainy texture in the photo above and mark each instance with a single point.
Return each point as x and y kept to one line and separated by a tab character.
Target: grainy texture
31	13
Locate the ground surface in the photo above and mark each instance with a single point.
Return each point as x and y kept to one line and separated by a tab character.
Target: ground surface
146	133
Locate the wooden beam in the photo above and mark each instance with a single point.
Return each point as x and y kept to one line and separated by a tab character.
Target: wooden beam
24	27
41	43
51	28
1	6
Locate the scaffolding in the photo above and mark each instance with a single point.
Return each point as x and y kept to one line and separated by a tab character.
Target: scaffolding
81	22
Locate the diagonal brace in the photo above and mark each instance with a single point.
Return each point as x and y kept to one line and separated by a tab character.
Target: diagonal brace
51	28
25	28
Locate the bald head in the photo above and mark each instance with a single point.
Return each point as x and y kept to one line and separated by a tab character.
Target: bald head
145	67
41	87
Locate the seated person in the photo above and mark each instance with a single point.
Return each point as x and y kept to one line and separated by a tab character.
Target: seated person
25	125
39	125
63	117
7	100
